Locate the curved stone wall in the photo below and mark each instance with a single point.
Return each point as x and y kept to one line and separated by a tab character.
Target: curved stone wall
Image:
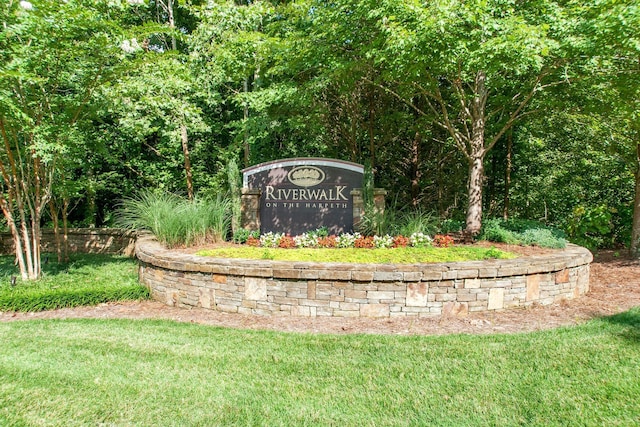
266	287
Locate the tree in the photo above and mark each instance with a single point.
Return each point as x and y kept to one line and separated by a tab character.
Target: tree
53	58
471	67
614	44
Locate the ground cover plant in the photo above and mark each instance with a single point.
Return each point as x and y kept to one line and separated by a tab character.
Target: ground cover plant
407	255
88	279
319	246
123	372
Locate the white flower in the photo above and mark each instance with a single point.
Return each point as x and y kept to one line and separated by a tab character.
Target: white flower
126	46
135	2
26	5
130	46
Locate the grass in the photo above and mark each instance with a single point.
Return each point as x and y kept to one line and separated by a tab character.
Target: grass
86	280
123	372
352	255
176	221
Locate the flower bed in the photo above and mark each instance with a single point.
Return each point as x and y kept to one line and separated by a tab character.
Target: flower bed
321	239
267	287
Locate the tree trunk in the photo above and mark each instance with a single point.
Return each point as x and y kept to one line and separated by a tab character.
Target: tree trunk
476	156
371	126
415	170
247	149
65	227
474	209
15	233
507	177
172	23
184	137
634	248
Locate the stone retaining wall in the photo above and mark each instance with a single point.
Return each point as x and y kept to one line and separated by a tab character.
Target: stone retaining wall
360	290
83	240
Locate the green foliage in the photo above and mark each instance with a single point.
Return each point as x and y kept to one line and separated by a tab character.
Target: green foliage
242	235
377	223
176	221
522	232
417	221
234	182
543	237
451	226
406	255
87	280
104	97
592	227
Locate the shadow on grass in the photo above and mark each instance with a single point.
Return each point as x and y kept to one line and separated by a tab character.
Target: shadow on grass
51	266
630	320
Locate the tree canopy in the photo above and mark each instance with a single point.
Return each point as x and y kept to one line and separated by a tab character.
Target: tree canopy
467	109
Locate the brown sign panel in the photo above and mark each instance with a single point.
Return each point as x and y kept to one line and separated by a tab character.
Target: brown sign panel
303	194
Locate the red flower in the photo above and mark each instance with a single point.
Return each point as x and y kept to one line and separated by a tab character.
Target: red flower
442	241
364	242
400	242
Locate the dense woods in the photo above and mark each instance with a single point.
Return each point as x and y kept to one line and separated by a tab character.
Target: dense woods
466	109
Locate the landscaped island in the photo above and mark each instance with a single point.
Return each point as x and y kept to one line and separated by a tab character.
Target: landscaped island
308	288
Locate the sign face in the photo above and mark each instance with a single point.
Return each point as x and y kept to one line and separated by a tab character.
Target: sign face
303	194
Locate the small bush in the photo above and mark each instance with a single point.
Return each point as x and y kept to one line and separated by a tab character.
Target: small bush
253	241
494	231
383	242
417	221
522	232
347	240
451	226
87	280
542	237
242	235
271	239
420	240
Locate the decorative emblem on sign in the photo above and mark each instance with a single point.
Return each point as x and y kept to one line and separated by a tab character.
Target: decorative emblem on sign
306	176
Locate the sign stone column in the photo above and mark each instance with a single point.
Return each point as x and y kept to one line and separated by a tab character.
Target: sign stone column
250	209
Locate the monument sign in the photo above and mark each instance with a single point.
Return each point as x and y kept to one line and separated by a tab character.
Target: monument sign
302	194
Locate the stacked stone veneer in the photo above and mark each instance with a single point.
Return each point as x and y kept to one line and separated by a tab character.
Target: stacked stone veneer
82	240
360	290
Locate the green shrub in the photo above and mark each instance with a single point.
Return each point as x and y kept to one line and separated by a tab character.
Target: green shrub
543	237
417	221
494	231
87	280
522	232
242	235
451	226
176	221
376	223
592	227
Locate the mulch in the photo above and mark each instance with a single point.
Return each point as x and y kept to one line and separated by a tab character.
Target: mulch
614	288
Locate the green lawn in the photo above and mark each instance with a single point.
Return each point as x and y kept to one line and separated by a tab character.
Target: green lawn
122	372
352	255
86	280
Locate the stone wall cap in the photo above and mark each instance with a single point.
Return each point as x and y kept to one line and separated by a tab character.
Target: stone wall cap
149	249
